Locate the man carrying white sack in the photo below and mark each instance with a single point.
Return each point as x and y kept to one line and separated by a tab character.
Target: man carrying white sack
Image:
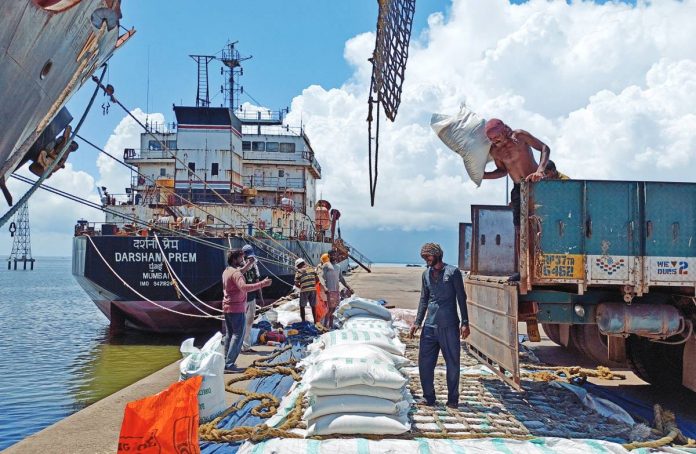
442	289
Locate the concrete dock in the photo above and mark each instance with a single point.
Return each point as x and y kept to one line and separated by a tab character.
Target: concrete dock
96	428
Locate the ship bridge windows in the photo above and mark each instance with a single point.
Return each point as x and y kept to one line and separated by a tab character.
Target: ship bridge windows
192	166
163	172
258	146
287	147
156	145
281	173
272	147
214	169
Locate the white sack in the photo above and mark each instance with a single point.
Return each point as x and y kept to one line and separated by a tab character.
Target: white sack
424	445
394	395
384	330
352	337
357	351
326	405
208	362
464	134
338	373
369	306
359	423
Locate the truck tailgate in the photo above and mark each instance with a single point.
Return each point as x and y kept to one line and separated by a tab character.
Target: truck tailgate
492	306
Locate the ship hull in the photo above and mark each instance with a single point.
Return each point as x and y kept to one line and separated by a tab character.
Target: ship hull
134	285
45	56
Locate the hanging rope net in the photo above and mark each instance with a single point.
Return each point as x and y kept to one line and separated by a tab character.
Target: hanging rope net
388	67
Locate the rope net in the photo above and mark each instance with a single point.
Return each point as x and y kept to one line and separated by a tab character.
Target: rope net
389	58
391	52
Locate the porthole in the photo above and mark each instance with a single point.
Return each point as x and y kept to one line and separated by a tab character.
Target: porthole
46	69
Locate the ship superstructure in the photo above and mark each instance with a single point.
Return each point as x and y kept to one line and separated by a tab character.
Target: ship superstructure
249	173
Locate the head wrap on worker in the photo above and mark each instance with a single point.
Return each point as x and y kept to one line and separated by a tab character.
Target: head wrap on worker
433	249
495	127
324	258
299	262
248	250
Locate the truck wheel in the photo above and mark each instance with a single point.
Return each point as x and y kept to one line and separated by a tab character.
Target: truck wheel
658	364
552	332
592	344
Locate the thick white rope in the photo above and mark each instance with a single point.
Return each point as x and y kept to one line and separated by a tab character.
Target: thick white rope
181	282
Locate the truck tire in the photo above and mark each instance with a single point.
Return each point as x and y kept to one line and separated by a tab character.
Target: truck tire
658	364
592	344
552	332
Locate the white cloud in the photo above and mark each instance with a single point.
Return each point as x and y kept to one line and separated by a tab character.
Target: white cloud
113	175
52	217
611	89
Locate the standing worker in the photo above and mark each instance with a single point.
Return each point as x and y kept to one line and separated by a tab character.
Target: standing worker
251	276
442	288
331	280
306	280
234	299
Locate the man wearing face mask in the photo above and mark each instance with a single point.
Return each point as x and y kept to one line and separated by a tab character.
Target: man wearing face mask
441	292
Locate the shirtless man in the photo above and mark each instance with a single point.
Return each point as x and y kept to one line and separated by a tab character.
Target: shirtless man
512	153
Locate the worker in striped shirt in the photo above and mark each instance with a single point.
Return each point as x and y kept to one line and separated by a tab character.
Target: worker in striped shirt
305	280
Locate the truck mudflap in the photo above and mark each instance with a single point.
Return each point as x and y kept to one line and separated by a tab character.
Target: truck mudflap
492	306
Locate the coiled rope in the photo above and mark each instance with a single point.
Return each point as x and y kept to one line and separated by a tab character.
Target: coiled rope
267	407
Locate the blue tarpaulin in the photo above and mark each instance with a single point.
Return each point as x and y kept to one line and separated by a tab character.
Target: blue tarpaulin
277	384
635	404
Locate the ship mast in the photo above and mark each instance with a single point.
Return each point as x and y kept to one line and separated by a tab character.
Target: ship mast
233	70
203	94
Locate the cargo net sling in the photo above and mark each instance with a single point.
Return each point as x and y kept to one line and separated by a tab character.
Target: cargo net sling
388	66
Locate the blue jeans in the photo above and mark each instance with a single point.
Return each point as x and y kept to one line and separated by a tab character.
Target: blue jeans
433	340
234	324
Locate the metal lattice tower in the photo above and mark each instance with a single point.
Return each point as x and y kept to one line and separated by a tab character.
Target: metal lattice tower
203	94
21	246
233	64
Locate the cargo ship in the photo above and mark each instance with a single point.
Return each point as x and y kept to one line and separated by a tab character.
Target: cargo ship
48	50
217	178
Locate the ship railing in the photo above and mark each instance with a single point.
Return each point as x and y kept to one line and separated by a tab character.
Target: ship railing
260	115
358	256
161	128
278	183
136	153
276	156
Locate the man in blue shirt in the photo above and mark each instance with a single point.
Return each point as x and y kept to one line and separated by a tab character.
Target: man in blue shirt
442	289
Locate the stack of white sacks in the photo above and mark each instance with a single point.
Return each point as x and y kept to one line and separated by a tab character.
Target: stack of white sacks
353	380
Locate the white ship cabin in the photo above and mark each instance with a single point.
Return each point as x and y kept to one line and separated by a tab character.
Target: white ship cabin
279	168
268	172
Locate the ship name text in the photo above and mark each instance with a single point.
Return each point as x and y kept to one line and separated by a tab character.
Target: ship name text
180	257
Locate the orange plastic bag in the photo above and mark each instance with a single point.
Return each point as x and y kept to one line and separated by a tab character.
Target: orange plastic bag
321	308
165	422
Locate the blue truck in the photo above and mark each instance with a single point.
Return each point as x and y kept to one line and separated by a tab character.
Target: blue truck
608	268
